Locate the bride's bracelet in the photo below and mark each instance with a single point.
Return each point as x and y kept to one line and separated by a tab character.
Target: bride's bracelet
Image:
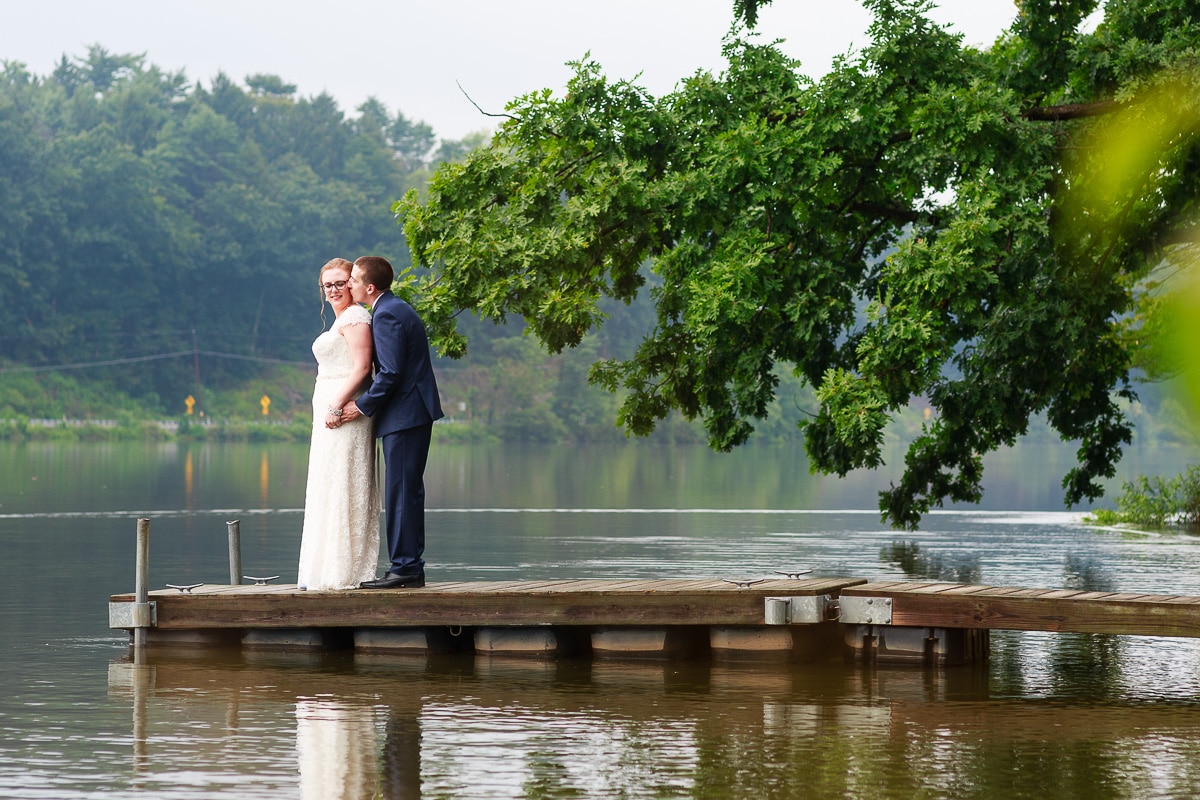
334	412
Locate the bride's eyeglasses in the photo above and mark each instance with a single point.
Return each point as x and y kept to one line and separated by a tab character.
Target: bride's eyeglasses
338	285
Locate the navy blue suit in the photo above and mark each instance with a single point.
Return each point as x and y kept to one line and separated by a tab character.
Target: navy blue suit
402	403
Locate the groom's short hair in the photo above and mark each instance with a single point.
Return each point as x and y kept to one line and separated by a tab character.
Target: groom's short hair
376	271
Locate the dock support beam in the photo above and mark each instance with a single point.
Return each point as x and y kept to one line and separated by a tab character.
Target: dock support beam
421	641
933	647
141	583
518	641
235	552
649	642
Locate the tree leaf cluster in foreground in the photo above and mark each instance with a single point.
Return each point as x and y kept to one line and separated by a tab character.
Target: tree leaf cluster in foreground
921	223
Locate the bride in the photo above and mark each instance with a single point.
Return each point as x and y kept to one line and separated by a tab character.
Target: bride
339	547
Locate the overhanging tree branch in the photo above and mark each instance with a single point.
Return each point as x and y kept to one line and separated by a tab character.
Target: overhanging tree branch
1070	111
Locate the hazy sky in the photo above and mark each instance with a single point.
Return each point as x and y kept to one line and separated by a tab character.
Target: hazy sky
414	55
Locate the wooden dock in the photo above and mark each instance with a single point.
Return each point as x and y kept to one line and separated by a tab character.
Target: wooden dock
635	617
471	604
790	618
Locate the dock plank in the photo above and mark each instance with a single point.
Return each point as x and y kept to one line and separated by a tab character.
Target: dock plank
1024	609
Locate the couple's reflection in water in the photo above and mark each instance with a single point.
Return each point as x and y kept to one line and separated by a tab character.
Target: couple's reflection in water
363	726
337	750
356	737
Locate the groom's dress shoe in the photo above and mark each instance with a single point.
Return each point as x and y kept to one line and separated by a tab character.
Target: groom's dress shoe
394	581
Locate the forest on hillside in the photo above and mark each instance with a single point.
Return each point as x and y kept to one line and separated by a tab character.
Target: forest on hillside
144	216
160	238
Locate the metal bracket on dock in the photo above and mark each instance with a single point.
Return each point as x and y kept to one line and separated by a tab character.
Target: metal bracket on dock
132	615
866	610
807	609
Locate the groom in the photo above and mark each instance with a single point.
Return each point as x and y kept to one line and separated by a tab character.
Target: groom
403	403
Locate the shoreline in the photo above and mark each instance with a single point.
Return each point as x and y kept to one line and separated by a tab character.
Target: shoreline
89	430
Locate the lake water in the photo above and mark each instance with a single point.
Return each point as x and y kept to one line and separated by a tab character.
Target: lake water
1063	716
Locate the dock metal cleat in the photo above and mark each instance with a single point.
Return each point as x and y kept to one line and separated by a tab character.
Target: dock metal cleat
745	583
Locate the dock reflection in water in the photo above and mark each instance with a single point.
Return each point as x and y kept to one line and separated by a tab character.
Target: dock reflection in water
382	726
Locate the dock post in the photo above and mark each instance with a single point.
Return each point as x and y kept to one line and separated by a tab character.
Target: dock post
235	552
141	577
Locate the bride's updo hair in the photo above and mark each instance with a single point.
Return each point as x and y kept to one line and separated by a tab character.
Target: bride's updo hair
334	263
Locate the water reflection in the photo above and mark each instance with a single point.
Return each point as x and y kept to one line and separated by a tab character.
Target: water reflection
335	747
1097	657
264	481
454	726
189	480
952	567
1086	573
137	678
401	761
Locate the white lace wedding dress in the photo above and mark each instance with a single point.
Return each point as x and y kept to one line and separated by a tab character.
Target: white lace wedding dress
339	547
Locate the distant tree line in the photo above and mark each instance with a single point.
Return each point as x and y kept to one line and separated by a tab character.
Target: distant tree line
143	216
